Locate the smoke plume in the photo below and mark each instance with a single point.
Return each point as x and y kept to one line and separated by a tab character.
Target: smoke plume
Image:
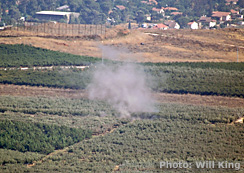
123	85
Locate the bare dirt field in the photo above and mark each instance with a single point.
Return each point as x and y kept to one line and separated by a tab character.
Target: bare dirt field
189	99
144	45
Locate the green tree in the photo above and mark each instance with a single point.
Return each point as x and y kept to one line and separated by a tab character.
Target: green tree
129	25
210	8
32	7
241	3
0	10
22	6
14	13
116	16
183	21
156	16
75	5
140	17
105	7
223	7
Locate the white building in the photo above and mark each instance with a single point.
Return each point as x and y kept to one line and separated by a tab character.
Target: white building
193	25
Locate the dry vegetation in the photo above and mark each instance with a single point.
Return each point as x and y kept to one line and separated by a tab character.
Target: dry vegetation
167	46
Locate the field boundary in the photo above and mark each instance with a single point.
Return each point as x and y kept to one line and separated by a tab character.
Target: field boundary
56	29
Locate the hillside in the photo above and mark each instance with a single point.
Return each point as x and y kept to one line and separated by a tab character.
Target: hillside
158	46
175	96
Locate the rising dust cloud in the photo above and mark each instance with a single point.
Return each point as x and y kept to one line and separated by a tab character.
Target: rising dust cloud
123	86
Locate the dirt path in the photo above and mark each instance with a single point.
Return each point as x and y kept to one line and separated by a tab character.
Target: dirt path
46	67
189	99
47	156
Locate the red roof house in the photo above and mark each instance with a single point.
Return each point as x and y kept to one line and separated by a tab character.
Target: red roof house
120	7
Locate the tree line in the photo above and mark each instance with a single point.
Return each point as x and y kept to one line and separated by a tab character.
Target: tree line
97	12
169	79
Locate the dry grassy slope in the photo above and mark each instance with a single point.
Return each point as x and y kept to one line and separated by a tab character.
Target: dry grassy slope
189	45
74	46
167	46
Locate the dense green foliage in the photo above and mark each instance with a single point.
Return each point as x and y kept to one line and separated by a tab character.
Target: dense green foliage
24	55
66	107
176	132
204	81
75	79
38	137
97	11
196	78
16	157
61	106
143	144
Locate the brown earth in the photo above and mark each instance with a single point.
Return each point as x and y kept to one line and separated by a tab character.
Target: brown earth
144	45
189	99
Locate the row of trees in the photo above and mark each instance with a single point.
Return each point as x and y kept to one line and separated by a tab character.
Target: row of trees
184	80
96	12
171	79
58	106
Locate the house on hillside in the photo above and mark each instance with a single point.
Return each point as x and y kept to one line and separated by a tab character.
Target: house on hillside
234	11
55	15
170	9
158	10
212	24
221	16
176	13
150	2
236	15
148	17
160	26
234	2
144	25
206	22
120	7
172	24
193	25
144	2
240	23
153	2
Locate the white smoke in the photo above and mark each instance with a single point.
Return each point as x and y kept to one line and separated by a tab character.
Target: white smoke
124	86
